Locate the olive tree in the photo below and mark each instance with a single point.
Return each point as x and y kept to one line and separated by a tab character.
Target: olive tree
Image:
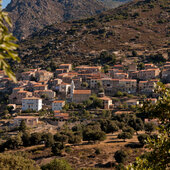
120	156
124	136
157	156
11	161
57	164
7	45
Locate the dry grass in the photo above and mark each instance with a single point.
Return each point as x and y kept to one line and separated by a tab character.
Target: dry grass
83	155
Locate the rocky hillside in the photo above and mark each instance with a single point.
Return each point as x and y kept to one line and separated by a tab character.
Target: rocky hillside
140	25
113	3
29	16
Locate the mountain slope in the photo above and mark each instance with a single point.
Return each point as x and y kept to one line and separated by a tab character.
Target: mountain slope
29	16
113	3
140	25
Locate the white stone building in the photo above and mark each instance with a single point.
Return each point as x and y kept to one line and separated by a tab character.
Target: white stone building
58	105
32	103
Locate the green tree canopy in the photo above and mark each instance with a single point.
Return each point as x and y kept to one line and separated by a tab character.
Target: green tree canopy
150	127
57	164
10	161
23	126
125	135
120	156
13	142
158	157
49	139
57	148
142	138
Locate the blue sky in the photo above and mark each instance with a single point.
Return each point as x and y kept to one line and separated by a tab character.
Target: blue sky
5	3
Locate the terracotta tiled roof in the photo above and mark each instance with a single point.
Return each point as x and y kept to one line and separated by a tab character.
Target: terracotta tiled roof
121	73
118	66
59	69
64	115
156	80
143	81
115	79
105	98
6	78
17	88
82	91
65	64
39	85
149	64
59	101
132	100
135	72
57	111
128	80
62	74
152	99
88	67
154	69
56	79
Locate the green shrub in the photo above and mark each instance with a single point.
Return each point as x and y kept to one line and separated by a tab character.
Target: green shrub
57	164
120	156
142	139
125	135
10	161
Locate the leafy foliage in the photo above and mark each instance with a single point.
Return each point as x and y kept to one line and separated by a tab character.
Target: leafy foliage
120	156
7	45
57	164
10	161
13	142
49	139
159	146
35	138
128	129
161	109
93	133
61	138
125	135
22	126
142	138
57	148
150	127
136	124
108	126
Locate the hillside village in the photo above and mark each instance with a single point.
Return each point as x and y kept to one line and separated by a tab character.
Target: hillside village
56	96
92	93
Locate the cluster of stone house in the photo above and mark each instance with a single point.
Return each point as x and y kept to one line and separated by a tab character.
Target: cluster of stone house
37	87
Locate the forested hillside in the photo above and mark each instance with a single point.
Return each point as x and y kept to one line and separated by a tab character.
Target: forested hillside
139	25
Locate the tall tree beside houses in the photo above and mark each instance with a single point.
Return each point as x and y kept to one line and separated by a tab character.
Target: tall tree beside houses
157	156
